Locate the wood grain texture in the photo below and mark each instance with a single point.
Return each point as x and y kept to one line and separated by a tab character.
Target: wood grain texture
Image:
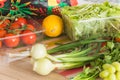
22	70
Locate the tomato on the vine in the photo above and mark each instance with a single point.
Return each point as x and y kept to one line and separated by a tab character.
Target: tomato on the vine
14	25
28	37
2	33
30	27
21	21
0	44
17	31
2	26
11	40
4	23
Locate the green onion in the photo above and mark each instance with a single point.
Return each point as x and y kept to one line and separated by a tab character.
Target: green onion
76	54
43	66
69	65
72	45
44	63
79	59
38	51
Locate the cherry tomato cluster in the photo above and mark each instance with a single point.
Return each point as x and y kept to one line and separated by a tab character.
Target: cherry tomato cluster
12	33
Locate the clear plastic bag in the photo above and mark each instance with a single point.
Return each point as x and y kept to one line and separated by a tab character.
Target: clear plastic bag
91	20
9	50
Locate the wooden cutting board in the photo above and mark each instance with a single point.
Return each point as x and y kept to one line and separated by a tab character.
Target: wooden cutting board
22	69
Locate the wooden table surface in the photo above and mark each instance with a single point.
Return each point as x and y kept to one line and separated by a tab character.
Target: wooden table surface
22	70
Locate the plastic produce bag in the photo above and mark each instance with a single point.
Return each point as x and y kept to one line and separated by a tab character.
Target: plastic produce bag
91	20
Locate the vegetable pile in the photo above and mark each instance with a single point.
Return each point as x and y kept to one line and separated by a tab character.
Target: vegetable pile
91	20
94	29
92	54
16	28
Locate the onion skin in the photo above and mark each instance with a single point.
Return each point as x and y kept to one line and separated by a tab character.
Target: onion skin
43	66
38	51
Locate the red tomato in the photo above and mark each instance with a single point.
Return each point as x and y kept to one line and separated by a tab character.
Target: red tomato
0	44
14	25
29	37
2	33
11	40
5	23
2	26
30	27
21	21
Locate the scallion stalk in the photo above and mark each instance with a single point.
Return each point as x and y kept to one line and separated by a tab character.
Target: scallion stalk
79	59
76	54
65	66
72	45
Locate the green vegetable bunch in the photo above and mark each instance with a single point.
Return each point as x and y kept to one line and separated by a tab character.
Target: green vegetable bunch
44	63
111	55
88	20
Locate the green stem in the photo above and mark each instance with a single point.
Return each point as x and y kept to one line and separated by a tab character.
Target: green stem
52	58
79	59
77	54
72	45
64	66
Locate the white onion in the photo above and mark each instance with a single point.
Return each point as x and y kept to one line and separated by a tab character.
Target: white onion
32	60
38	51
43	66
